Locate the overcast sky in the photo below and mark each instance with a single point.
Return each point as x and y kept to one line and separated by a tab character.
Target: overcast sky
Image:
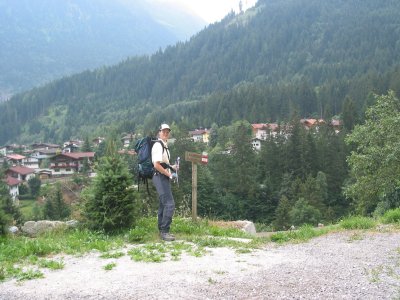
213	10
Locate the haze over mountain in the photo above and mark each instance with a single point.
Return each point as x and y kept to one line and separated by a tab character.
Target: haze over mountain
44	39
280	57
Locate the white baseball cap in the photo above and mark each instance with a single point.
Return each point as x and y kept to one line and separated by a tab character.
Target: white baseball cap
164	126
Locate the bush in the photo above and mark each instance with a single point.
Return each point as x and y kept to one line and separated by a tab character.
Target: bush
303	213
110	201
391	216
4	221
357	222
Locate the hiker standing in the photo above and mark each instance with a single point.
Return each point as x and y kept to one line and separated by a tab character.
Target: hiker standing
162	181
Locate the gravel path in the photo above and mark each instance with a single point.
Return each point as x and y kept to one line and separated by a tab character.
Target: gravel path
346	265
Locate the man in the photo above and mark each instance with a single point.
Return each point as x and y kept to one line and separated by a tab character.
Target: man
162	181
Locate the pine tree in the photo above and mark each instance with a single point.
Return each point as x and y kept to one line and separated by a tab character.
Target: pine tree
282	219
110	201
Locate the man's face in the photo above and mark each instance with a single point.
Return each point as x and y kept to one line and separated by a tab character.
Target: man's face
164	134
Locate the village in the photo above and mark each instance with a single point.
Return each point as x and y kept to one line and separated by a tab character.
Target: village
51	161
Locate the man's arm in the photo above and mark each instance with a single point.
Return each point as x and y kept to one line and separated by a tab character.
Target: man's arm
159	168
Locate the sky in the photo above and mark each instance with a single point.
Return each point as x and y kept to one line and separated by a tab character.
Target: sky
212	10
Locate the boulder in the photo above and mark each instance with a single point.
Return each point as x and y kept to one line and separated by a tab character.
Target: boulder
13	229
33	228
246	226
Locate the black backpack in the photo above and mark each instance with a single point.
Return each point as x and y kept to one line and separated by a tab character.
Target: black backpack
145	169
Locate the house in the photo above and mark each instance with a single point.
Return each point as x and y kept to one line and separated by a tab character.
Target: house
336	124
263	130
127	139
37	146
312	123
72	146
69	163
200	135
97	141
256	142
13	187
31	162
15	159
21	172
44	173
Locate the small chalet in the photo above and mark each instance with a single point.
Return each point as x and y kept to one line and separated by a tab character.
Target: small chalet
200	135
13	187
72	146
15	159
337	125
69	163
263	130
37	146
21	172
311	123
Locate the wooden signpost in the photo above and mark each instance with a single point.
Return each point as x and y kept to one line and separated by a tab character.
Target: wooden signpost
196	159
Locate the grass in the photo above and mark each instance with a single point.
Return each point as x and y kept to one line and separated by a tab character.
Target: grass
391	216
26	208
357	222
22	257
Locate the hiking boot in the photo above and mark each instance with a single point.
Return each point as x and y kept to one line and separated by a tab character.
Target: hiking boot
165	236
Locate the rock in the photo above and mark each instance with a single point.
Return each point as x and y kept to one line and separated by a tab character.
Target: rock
72	223
246	226
13	229
33	228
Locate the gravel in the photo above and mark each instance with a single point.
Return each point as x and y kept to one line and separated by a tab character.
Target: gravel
346	265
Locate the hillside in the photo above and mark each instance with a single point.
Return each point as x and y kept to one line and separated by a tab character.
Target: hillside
261	65
44	40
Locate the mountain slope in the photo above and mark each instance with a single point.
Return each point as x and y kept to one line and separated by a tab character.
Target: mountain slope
43	40
279	54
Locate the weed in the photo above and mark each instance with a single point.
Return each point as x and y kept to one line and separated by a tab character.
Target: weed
391	216
29	275
211	281
109	266
303	234
357	222
51	264
356	237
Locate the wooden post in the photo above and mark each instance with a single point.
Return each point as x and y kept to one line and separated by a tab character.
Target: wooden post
194	191
195	158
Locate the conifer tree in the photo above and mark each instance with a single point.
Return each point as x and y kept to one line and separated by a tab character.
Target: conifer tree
110	201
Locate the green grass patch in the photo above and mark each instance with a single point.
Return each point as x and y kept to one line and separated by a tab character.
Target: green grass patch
303	234
357	222
109	266
51	264
391	216
26	208
29	275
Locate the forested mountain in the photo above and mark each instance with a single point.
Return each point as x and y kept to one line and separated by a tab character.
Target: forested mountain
280	57
44	39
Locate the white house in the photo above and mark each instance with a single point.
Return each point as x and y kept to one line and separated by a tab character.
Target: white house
13	187
21	173
69	163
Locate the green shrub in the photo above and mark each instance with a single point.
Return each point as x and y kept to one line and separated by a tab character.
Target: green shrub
357	222
391	216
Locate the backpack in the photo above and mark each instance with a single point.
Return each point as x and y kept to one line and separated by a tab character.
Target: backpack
145	169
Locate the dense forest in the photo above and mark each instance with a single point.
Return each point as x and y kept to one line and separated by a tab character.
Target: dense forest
278	62
259	65
47	39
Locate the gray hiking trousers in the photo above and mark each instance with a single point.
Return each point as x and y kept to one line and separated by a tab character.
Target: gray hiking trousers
166	202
